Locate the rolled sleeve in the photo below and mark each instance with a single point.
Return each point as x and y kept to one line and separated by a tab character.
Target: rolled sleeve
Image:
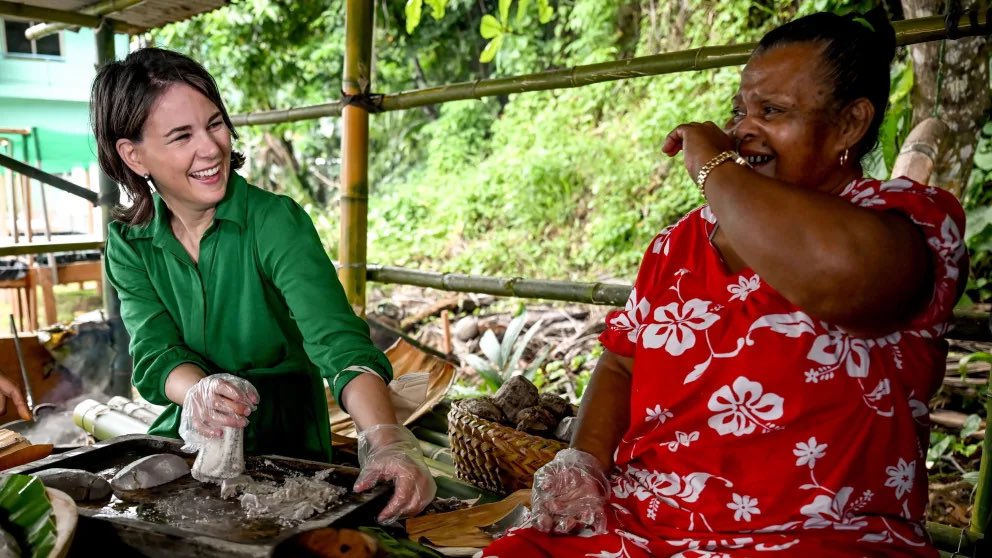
334	338
156	344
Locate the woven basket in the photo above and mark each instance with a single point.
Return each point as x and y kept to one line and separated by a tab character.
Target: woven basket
493	456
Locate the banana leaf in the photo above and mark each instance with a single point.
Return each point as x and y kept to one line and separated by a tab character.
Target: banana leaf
27	513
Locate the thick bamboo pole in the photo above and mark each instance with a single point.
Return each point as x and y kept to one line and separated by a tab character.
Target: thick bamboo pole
981	513
45	247
907	32
121	367
590	293
99	9
37	13
355	153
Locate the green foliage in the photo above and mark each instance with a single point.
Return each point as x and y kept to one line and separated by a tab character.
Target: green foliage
978	231
503	357
944	445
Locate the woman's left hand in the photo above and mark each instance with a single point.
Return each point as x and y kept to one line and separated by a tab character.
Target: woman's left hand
390	452
699	142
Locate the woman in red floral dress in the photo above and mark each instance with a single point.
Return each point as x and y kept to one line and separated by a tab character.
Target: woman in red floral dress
764	392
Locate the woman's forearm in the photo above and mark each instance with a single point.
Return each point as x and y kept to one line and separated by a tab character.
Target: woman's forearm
180	380
605	411
366	399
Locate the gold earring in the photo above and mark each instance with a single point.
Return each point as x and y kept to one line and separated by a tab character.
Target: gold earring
843	158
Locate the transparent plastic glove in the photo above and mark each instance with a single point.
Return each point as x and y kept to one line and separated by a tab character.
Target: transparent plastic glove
570	494
390	452
215	402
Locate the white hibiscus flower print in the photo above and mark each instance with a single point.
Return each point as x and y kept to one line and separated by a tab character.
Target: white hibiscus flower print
683	439
674	326
836	348
659	414
744	287
901	477
634	314
825	512
744	507
808	452
742	408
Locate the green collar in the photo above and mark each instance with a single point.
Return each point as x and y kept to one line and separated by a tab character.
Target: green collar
233	208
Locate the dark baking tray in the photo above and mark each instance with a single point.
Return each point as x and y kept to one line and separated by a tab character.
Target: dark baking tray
187	518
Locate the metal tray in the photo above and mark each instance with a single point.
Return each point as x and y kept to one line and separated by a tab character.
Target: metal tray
187	518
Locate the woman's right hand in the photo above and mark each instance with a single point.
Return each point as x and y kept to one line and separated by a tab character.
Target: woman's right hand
215	402
570	494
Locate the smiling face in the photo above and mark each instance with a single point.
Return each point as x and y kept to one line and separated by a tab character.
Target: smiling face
186	148
785	123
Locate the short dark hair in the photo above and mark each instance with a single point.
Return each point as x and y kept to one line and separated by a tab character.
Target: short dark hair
858	52
122	96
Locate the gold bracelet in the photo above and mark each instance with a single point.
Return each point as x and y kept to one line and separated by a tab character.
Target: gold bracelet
714	163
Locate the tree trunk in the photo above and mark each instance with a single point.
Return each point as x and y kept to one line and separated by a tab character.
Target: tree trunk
963	97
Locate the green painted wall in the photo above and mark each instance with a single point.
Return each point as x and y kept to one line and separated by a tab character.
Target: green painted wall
51	96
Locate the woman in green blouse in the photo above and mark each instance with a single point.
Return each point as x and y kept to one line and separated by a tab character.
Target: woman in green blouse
216	276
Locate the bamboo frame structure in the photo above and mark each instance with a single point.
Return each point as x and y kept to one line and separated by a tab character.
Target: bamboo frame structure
355	153
908	32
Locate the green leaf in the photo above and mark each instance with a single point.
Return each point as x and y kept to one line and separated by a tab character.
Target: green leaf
973	357
509	338
25	504
522	6
971	425
504	12
414	10
492	378
489	27
491	49
490	347
437	8
545	11
903	85
519	353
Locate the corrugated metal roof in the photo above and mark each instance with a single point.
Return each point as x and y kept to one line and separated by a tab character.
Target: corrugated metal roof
139	17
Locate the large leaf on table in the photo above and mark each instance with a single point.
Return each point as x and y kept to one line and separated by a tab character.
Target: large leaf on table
27	512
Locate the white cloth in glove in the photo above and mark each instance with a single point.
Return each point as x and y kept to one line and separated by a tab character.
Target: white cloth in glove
212	422
570	494
390	452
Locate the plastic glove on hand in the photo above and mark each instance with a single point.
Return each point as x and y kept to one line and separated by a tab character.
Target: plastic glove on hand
570	494
213	403
390	452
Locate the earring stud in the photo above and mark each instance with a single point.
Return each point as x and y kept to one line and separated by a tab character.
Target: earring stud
843	158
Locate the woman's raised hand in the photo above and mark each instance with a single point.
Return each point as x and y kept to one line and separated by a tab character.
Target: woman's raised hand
570	494
699	142
214	402
391	453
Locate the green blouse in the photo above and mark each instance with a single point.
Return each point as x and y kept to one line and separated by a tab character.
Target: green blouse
263	303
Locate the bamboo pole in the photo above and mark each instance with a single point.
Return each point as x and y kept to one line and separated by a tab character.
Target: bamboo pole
590	293
908	32
355	153
46	178
45	247
99	9
981	513
121	367
968	326
952	539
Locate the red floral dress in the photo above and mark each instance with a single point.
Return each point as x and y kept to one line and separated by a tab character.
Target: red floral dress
757	429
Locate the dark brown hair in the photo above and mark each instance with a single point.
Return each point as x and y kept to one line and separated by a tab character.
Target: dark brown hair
122	97
857	50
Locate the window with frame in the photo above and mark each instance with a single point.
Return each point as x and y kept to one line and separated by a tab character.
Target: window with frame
16	44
